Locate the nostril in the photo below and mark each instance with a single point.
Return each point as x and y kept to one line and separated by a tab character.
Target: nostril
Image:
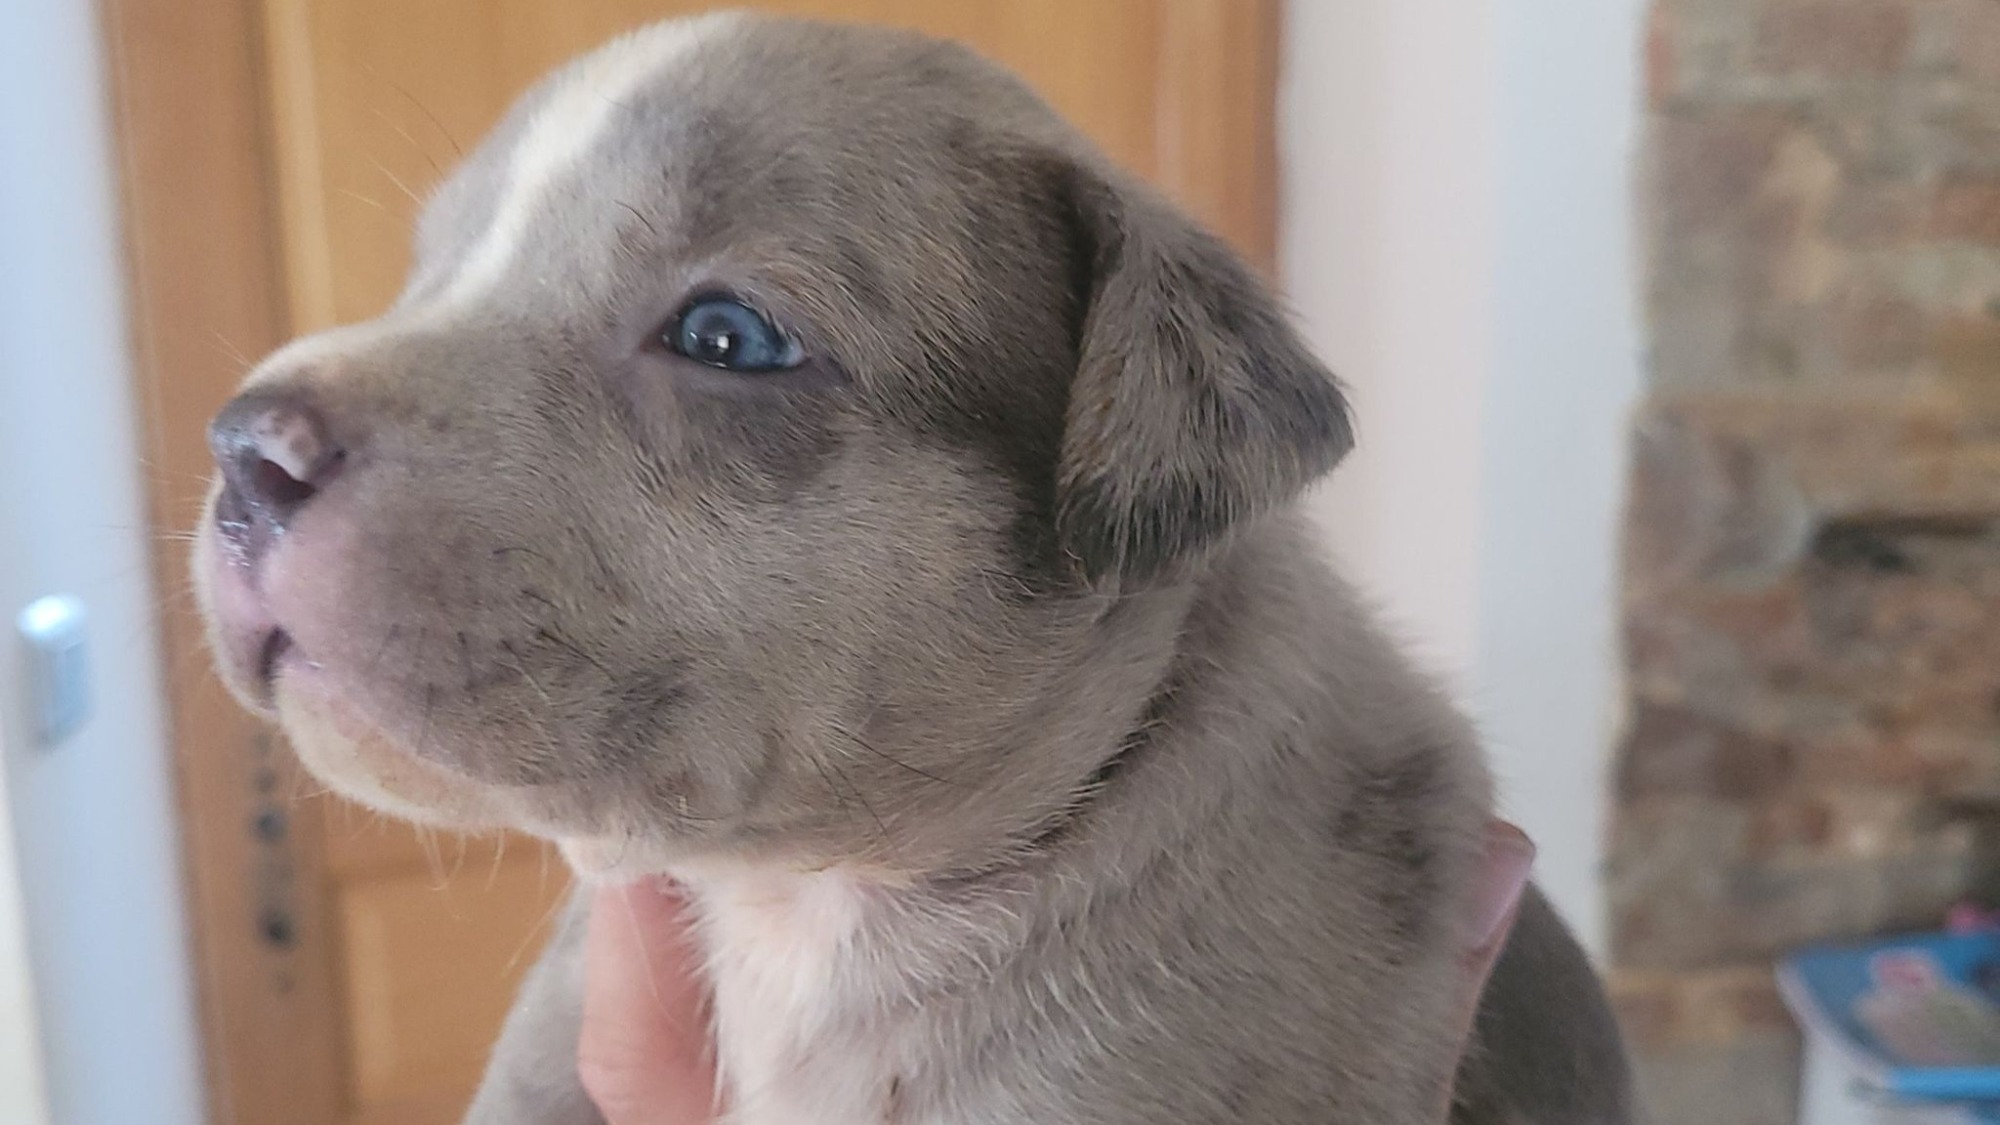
275	452
278	486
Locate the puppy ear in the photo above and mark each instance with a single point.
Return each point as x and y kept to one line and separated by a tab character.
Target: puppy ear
1195	405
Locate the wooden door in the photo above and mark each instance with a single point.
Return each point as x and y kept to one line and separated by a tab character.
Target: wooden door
274	151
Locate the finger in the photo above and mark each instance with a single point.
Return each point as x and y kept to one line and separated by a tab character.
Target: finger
1496	898
1489	918
644	1055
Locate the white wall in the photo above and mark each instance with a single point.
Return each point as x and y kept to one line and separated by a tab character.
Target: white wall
1386	250
92	818
1456	238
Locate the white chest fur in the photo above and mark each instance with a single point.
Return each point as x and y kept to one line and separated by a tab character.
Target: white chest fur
781	960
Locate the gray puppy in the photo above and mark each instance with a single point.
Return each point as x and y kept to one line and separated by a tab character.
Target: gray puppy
801	465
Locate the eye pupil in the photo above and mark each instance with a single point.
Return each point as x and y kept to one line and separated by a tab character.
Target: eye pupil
716	347
724	332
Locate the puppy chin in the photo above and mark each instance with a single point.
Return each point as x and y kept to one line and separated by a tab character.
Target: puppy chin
355	759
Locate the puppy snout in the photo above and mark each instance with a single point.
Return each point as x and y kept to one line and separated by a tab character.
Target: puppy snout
276	453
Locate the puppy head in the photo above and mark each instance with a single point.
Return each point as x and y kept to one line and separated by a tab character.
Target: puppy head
772	414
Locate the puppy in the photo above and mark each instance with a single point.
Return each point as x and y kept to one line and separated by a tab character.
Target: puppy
802	466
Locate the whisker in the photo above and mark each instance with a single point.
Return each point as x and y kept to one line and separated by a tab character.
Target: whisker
231	350
891	759
458	865
642	219
514	658
543	633
421	108
405	134
518	549
424	731
433	860
881	827
499	854
546	743
369	200
397	180
535	931
839	798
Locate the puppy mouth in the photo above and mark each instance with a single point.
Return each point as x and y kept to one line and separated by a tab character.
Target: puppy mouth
277	644
254	648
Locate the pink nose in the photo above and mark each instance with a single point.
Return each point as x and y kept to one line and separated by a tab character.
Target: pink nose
275	452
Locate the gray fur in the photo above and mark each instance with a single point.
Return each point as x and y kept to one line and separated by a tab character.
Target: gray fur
998	606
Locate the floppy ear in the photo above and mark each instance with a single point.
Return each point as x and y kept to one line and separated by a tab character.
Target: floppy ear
1195	405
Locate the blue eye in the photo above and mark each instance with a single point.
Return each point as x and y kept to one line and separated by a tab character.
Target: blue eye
724	332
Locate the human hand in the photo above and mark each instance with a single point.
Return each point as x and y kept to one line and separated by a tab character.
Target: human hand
644	1055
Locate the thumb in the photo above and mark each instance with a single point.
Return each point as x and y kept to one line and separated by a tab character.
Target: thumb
1494	904
644	1053
1496	898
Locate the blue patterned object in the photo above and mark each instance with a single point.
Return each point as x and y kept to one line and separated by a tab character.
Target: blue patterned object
1914	1017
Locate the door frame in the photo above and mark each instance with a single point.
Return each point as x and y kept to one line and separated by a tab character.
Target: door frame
23	1096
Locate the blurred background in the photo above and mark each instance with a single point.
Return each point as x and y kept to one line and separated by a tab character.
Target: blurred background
1674	332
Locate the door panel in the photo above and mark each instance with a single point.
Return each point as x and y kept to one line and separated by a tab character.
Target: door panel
370	966
423	1013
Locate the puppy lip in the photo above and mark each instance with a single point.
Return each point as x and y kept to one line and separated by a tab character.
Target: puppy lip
250	644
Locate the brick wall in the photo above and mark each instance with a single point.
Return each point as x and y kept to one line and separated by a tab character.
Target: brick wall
1812	588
